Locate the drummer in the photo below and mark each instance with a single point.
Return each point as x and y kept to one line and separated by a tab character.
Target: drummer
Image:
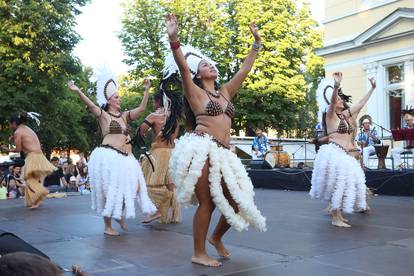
396	152
260	145
367	138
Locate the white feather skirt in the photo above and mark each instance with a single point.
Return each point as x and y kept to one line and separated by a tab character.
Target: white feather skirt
338	178
187	160
115	180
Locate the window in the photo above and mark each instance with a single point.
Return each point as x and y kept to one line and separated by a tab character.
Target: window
395	92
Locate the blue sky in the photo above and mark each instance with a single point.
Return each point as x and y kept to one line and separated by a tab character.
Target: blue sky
99	24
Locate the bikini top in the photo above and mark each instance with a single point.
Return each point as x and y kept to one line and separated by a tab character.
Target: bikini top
344	126
214	108
116	128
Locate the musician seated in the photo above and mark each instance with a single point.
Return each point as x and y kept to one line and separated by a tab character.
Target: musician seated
260	145
396	152
367	138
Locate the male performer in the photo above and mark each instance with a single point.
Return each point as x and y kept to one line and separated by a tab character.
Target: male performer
260	145
367	138
36	167
165	128
396	152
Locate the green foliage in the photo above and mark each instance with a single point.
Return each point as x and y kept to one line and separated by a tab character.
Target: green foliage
279	92
36	43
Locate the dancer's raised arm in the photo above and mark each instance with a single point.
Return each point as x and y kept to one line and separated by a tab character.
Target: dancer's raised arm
172	31
134	113
334	98
234	84
91	105
356	108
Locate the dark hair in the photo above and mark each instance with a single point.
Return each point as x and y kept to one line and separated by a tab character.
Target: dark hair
19	118
105	107
158	96
27	264
190	120
175	109
54	158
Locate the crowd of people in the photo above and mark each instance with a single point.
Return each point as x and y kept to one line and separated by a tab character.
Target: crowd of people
66	177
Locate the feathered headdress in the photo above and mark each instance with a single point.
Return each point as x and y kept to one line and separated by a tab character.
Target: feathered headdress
408	110
106	85
35	116
324	95
193	57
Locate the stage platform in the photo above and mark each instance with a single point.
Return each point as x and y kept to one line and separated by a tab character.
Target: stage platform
382	182
299	241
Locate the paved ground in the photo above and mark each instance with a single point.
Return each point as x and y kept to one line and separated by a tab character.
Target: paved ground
299	240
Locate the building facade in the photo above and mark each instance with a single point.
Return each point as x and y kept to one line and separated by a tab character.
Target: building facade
372	38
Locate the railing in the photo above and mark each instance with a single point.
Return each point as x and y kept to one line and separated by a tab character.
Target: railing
302	150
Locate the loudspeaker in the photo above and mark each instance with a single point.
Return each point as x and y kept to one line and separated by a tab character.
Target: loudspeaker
259	164
10	243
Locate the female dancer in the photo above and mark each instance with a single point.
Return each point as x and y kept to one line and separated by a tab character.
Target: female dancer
201	161
115	174
337	175
164	124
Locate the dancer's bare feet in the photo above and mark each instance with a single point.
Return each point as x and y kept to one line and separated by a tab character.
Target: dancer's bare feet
221	250
152	217
111	232
342	218
35	206
340	223
328	210
205	260
123	224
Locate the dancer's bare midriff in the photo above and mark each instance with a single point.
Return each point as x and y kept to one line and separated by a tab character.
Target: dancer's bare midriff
215	126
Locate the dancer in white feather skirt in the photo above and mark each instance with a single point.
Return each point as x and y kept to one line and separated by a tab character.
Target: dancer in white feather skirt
201	162
115	174
337	175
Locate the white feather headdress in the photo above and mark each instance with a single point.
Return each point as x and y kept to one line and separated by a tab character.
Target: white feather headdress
35	116
193	57
106	85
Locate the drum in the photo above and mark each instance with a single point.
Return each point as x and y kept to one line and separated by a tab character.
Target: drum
381	151
278	159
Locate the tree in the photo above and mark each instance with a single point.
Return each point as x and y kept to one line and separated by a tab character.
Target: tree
36	43
278	92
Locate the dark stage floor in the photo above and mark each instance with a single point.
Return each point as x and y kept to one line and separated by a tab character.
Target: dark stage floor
299	240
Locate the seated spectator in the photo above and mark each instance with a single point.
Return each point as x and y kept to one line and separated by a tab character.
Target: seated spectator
15	184
82	181
72	184
67	171
3	191
56	178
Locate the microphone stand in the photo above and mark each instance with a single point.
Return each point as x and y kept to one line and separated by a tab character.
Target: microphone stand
382	131
293	154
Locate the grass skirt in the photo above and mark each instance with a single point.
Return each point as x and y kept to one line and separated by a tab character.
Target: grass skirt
187	161
115	180
339	178
35	169
163	196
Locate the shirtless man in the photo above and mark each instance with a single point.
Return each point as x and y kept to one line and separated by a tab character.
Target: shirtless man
36	167
164	125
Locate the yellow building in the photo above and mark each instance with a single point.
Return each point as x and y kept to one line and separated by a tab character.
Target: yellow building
372	38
